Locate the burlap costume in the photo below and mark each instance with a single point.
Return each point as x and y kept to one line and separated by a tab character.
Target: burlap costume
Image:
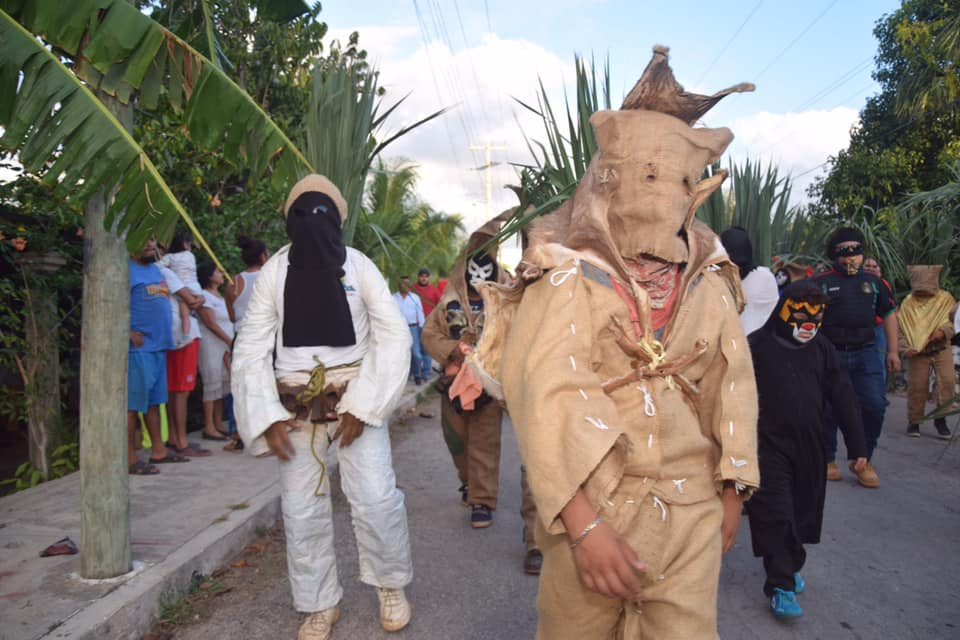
650	425
925	309
472	436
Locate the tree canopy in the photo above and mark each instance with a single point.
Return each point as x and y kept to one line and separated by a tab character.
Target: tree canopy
896	151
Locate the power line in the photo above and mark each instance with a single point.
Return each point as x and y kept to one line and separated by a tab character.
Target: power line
730	41
836	84
795	40
436	85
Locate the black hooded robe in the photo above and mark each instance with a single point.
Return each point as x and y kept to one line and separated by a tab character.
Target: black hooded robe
793	384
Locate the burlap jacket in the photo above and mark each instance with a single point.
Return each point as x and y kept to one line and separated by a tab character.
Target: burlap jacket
571	434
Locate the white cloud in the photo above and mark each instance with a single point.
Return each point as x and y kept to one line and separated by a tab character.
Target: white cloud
796	143
478	86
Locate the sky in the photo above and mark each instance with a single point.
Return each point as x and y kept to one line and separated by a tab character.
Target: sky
810	61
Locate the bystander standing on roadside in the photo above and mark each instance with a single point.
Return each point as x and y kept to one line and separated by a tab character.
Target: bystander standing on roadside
182	365
429	297
216	342
150	338
412	311
254	253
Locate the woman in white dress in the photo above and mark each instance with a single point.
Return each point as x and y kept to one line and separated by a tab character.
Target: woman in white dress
216	341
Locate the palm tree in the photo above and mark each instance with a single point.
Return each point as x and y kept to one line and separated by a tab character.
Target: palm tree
931	80
399	232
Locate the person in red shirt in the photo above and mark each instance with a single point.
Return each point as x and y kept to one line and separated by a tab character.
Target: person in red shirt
429	297
429	294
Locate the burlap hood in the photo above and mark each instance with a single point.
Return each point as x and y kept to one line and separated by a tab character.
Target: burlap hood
924	278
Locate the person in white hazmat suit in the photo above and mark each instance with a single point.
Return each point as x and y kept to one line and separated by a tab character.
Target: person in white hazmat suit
342	358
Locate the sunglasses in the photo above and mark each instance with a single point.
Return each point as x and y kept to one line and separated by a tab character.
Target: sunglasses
849	250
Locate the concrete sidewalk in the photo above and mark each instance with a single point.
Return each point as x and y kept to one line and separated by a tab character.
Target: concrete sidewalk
189	519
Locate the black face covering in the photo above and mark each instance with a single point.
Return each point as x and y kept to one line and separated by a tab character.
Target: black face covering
737	243
315	308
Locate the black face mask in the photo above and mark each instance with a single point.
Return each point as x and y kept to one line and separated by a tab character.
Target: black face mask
315	307
313	226
737	243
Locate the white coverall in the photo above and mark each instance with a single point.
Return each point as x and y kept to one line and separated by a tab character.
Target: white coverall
366	470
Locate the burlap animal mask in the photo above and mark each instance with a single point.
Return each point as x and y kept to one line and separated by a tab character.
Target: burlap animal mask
647	171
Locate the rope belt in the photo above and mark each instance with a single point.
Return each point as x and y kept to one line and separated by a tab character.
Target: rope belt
316	401
649	361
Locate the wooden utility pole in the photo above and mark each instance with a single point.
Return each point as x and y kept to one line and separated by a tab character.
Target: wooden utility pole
105	333
487	167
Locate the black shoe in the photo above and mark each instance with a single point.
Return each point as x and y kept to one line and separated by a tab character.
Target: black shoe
418	381
532	562
463	494
480	517
913	430
943	432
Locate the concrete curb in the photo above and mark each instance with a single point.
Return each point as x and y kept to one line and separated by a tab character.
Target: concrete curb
129	610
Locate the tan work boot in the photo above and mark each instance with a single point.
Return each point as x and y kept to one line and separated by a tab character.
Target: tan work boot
833	471
395	611
319	625
868	477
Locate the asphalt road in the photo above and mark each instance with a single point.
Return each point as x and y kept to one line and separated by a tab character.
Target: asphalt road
888	565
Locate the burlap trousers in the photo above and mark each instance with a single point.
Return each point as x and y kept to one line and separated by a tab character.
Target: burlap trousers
681	547
918	380
473	439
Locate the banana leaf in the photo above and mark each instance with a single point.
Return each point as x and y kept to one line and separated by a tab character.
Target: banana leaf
121	52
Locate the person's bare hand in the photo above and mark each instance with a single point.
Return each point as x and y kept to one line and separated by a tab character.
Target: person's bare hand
732	508
451	369
136	338
278	440
938	335
227	359
858	465
608	566
893	361
349	429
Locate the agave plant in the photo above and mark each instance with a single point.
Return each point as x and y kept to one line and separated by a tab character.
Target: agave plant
758	200
341	129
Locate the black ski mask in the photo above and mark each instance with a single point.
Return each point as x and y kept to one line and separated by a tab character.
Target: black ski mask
315	308
737	243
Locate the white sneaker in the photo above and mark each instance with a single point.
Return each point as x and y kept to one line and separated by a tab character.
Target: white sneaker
395	611
318	625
